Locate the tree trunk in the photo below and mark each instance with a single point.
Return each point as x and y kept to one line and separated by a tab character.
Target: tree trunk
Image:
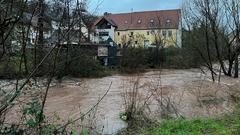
230	67
39	46
236	67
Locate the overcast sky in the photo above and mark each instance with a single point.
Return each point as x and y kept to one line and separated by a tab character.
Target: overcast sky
122	6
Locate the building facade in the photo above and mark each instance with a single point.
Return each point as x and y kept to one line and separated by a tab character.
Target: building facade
51	29
143	29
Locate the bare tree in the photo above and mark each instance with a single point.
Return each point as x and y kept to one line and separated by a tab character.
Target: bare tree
192	20
10	14
232	9
11	98
217	17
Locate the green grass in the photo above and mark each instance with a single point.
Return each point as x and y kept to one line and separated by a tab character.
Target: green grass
195	127
225	125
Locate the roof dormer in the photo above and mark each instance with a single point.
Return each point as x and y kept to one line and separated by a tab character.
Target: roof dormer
168	21
139	21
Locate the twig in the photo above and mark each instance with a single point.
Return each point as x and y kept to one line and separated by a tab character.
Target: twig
17	93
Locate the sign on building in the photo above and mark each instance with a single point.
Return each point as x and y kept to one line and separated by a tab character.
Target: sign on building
102	51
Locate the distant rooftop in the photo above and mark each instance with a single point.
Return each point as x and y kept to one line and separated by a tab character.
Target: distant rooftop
143	19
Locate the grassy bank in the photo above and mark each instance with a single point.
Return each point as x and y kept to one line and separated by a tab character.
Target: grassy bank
226	125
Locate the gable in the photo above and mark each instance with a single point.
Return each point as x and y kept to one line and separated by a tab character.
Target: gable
104	23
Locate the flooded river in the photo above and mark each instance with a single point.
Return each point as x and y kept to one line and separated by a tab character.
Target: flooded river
186	89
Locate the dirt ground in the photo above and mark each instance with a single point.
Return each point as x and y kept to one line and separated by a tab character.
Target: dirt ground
192	93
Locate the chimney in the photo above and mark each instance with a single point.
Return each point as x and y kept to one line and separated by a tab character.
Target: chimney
106	14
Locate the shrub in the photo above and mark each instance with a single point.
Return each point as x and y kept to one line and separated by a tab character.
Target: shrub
10	68
137	59
86	67
133	59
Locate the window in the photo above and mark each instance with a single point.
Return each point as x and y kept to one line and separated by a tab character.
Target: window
108	26
118	33
152	32
146	43
126	22
136	42
168	22
169	33
164	33
139	21
101	34
151	24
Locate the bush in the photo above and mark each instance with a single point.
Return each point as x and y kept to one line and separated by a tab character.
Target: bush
9	68
86	67
78	63
133	59
138	59
181	58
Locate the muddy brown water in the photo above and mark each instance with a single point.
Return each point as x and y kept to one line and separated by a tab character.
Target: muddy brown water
191	93
194	94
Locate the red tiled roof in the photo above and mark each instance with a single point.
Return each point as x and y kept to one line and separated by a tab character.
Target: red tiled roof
144	20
